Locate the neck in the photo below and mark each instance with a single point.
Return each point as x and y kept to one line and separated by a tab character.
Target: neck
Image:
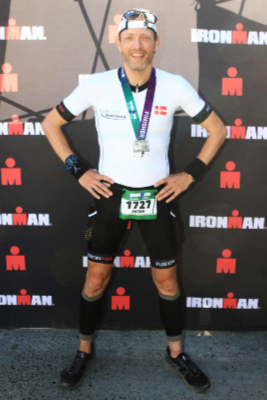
136	77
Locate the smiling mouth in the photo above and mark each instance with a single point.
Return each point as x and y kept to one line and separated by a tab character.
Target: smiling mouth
137	55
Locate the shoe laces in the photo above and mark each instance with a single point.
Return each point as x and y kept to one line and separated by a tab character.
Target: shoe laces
77	363
190	367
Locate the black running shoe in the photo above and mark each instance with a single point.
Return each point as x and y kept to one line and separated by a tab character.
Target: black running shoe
72	376
190	373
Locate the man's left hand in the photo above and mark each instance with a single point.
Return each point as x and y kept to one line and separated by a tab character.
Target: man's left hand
174	185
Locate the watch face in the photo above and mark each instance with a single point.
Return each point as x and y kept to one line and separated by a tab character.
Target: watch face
70	161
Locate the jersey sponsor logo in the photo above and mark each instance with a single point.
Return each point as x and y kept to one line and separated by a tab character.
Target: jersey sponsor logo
19	128
24	299
112	114
229	302
236	131
124	261
165	263
238	36
13	32
98	258
233	222
21	218
160	110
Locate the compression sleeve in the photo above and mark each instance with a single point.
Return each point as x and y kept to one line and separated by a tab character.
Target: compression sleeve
191	102
64	112
203	114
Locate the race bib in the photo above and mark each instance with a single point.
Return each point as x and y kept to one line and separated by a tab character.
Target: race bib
138	204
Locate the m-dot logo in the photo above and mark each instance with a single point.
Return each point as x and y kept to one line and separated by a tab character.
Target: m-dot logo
238	36
21	218
24	299
14	32
19	128
229	302
233	222
236	131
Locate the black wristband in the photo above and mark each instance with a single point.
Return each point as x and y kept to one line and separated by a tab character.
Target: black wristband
78	169
195	168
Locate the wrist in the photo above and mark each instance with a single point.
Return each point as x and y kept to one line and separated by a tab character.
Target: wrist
190	177
195	168
75	166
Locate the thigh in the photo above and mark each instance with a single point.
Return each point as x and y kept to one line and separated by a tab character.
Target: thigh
167	276
160	236
105	229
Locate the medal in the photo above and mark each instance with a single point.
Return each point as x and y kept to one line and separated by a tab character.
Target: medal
141	145
141	148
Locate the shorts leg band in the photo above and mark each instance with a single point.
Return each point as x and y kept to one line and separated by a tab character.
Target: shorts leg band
90	310
170	313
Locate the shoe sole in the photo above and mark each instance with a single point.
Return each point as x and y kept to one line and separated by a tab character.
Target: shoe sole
175	371
78	384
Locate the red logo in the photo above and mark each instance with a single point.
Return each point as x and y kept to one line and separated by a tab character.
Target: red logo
229	179
160	110
127	260
113	29
61	108
232	86
8	82
120	302
10	175
226	264
238	35
15	261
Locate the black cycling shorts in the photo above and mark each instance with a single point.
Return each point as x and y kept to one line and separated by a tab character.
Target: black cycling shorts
106	229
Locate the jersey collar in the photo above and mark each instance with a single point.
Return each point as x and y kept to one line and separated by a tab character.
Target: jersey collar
134	88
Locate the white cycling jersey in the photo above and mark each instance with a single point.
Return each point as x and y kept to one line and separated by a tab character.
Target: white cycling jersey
103	92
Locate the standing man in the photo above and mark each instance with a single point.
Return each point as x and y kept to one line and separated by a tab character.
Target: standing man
134	181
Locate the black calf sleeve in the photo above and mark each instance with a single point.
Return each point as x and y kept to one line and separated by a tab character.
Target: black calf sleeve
170	313
90	310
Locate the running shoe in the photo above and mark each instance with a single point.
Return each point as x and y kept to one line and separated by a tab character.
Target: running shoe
190	373
72	376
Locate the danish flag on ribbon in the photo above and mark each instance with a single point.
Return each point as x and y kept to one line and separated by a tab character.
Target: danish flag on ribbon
160	110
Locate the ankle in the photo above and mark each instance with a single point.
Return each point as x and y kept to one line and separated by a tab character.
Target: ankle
175	352
85	347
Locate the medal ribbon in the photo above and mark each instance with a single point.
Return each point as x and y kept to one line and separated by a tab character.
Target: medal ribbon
140	128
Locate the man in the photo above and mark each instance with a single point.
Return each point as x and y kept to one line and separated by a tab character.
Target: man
133	181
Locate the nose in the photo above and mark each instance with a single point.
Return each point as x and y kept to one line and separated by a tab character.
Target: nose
137	44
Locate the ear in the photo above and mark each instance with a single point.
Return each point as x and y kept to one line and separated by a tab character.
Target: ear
118	43
157	43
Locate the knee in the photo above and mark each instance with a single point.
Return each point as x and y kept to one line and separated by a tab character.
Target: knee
167	286
96	283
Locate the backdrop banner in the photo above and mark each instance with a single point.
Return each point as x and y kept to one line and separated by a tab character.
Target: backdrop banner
46	49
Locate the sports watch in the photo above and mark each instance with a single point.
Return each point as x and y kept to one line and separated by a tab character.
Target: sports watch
70	161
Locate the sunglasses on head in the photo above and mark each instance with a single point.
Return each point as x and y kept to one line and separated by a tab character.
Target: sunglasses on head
133	15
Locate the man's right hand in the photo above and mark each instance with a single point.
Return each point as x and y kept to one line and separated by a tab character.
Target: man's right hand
90	180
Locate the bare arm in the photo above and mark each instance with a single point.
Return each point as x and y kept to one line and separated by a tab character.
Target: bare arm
177	183
90	180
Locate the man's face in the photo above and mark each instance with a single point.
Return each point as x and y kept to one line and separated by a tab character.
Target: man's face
137	47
